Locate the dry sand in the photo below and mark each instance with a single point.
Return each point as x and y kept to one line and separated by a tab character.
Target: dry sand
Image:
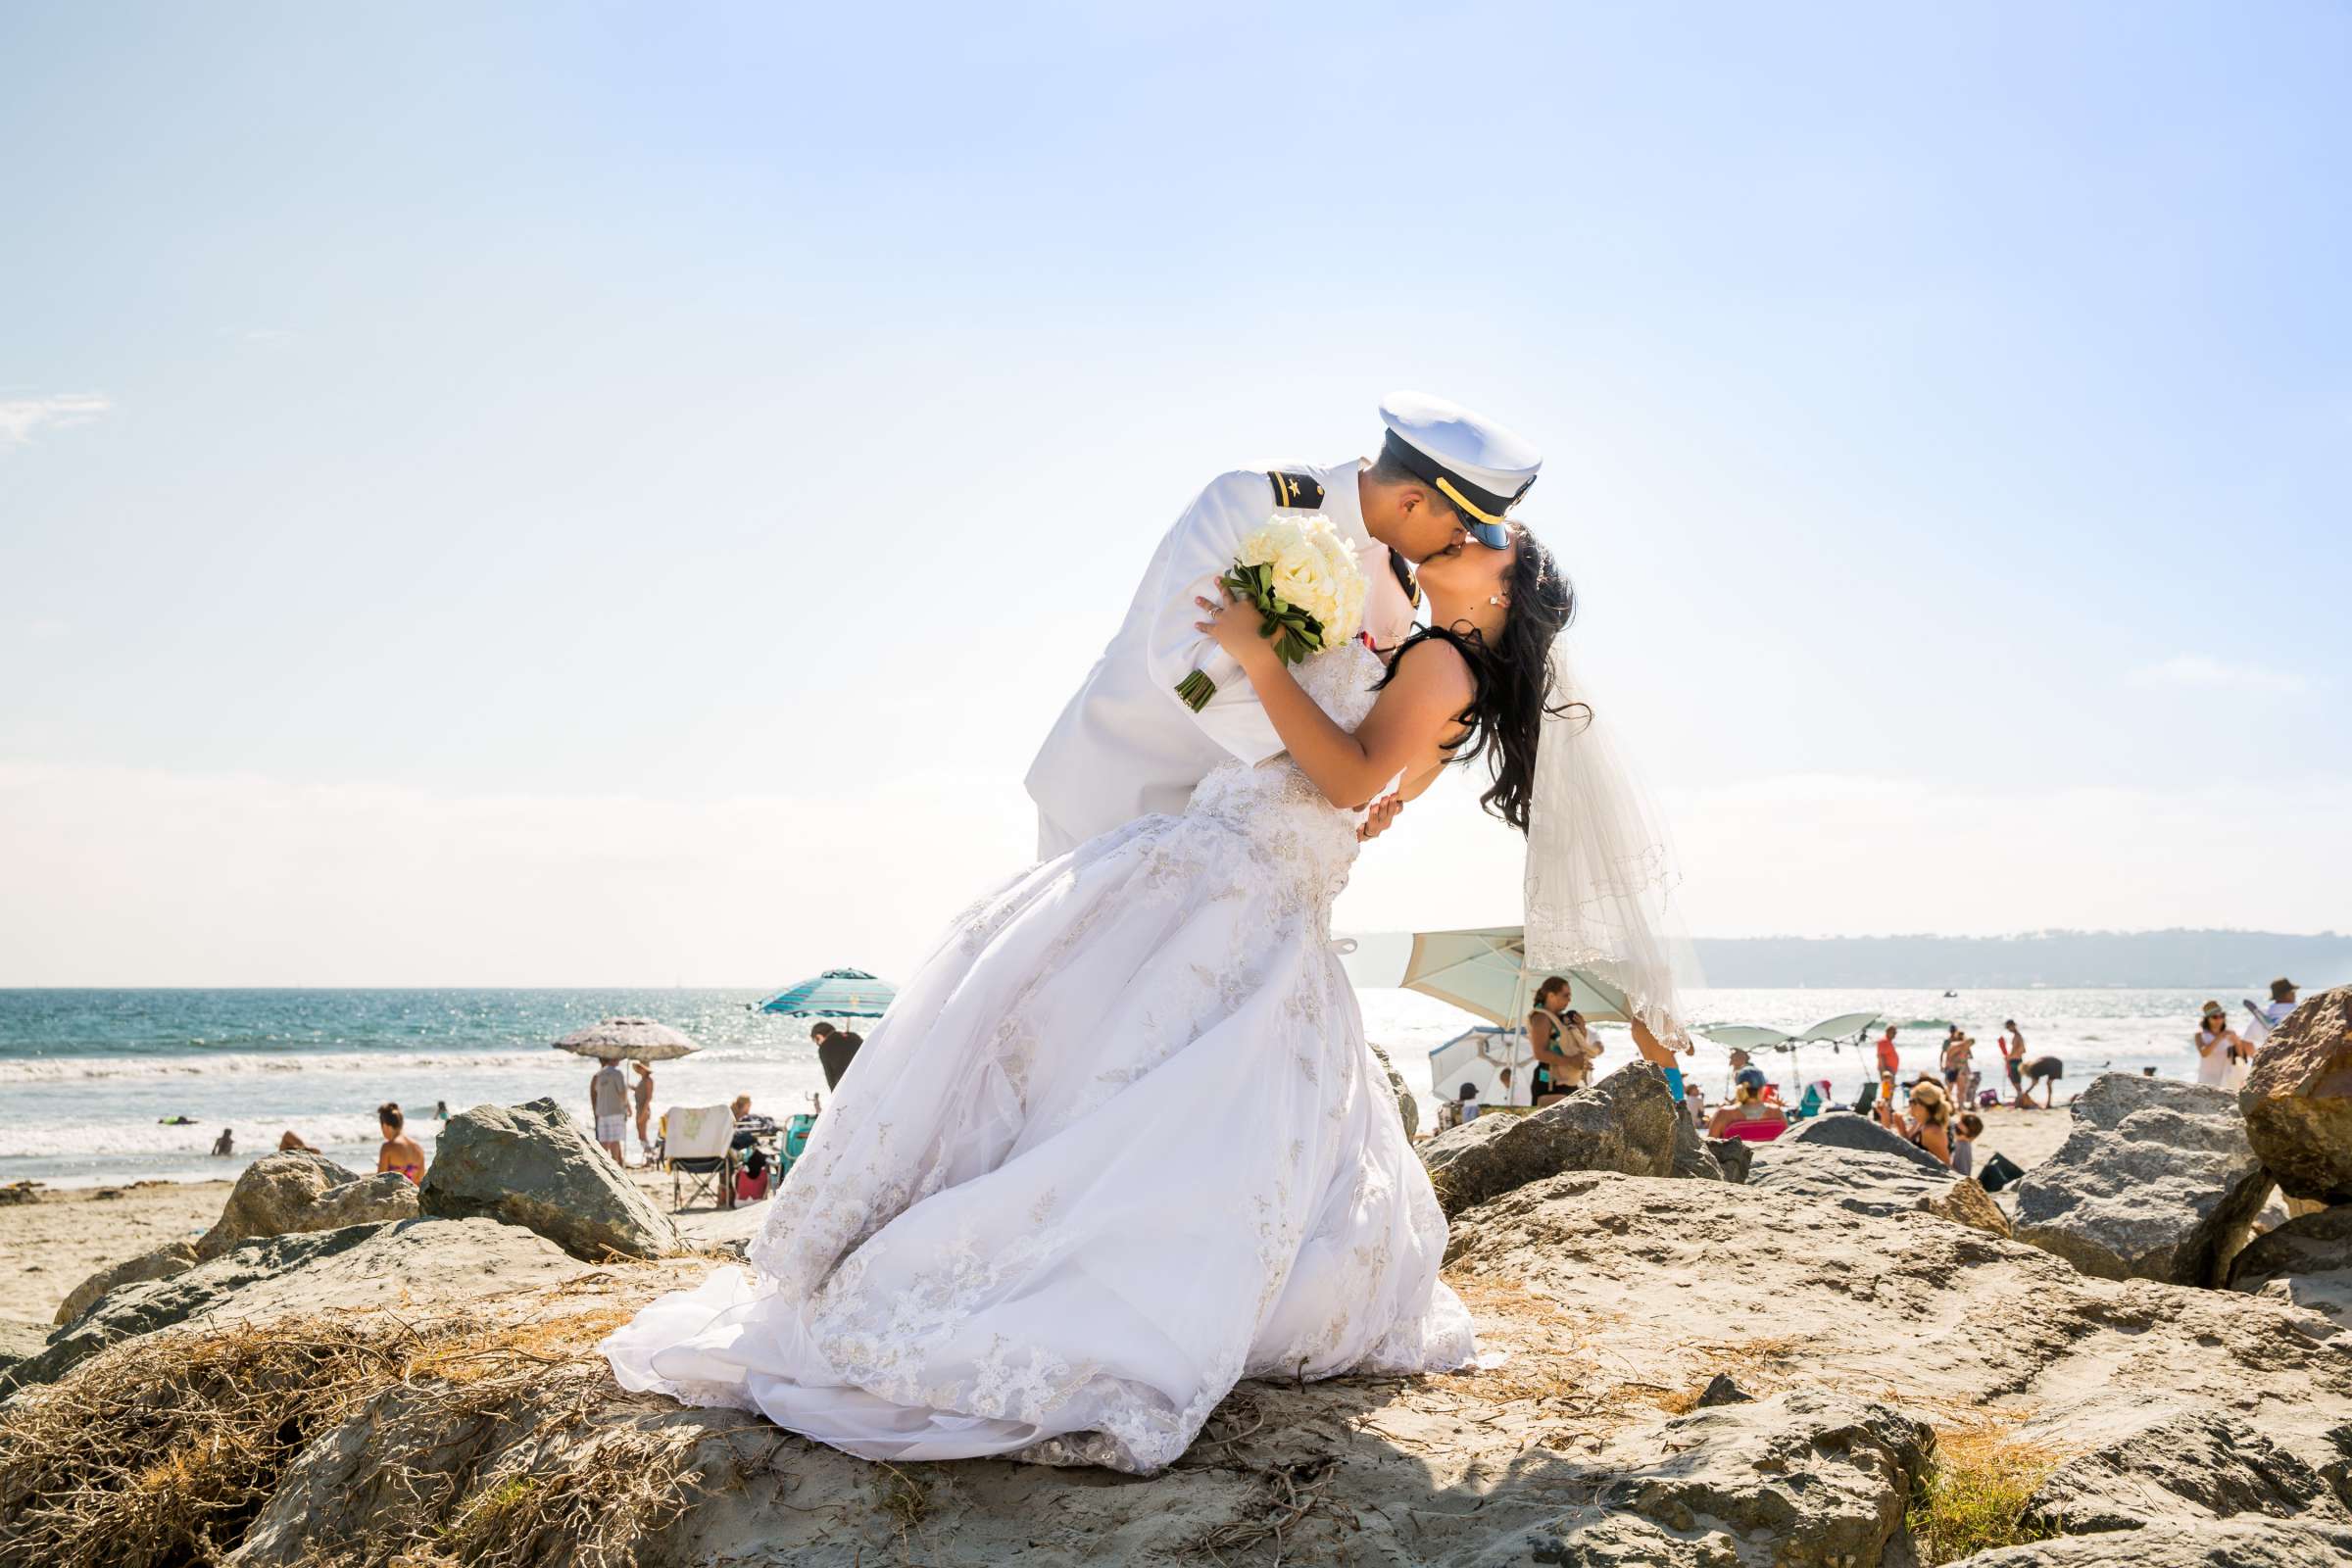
49	1247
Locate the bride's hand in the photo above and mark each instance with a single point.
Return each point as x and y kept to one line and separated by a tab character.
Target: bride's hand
1235	627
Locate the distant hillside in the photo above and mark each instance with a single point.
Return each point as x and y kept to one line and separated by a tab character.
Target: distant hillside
2190	958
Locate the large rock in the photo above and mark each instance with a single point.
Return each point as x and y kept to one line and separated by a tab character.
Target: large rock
1807	1477
418	1265
1694	1156
172	1257
1859	1181
1734	1156
295	1191
19	1341
2305	1261
2236	1543
1966	1203
1842	1129
2156	1181
1408	1108
530	1165
1625	1123
1795	1292
2297	1101
2159	1463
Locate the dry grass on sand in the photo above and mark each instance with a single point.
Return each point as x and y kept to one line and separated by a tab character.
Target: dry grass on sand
1972	1496
166	1448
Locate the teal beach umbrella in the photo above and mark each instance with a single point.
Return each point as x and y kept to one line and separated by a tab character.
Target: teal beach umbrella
835	993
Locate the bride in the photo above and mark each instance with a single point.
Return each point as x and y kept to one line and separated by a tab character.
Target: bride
1120	1143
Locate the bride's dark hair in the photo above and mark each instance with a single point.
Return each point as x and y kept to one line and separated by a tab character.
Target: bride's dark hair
1514	686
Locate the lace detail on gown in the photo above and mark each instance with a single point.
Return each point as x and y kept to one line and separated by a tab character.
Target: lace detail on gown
1118	1144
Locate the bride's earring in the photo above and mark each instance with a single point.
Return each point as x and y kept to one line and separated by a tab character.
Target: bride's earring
1497	598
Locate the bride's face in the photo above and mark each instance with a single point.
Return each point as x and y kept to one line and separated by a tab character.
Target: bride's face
1470	576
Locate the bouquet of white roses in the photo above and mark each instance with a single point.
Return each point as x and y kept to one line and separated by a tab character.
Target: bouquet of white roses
1302	579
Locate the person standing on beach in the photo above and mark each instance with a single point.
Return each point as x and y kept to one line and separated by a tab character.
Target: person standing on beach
608	1104
1890	1064
644	1093
2219	1047
2013	1060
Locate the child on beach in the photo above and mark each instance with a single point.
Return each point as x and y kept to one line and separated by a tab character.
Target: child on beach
1971	1127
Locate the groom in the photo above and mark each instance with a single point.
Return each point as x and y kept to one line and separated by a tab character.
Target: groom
1127	746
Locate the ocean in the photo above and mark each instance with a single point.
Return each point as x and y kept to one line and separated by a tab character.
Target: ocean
87	1077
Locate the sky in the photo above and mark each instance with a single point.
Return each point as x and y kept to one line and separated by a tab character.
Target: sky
617	495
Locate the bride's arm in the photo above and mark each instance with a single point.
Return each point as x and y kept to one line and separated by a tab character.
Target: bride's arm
1416	709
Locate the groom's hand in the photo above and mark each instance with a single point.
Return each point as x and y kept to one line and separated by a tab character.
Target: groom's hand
1384	812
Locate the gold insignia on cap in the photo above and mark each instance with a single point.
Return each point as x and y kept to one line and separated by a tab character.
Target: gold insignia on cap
1301	491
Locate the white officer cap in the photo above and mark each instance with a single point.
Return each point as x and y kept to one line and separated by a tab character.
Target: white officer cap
1479	466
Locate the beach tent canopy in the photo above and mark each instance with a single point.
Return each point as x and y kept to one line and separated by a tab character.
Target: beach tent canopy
1482	972
629	1039
1755	1037
835	993
1477	1057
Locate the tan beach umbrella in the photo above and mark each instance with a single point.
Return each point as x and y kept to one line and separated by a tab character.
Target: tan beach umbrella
629	1039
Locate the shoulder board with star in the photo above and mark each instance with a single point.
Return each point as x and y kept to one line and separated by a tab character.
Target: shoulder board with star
1301	492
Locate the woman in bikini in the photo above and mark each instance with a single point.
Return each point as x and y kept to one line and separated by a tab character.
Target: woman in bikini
400	1152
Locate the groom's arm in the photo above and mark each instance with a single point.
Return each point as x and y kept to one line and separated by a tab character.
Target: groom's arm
1200	550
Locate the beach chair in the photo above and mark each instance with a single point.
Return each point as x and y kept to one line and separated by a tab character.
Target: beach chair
695	1149
1755	1132
794	1143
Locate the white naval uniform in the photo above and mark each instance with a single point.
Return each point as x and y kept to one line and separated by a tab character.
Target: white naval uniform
1126	746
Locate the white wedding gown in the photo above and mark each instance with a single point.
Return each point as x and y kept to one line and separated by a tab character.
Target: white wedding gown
1119	1145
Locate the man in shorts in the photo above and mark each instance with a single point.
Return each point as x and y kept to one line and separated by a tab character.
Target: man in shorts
2044	1073
608	1101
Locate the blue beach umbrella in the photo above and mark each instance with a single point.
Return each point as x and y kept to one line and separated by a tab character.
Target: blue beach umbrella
835	993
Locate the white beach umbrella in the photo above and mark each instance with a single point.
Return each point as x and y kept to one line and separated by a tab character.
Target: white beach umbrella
629	1039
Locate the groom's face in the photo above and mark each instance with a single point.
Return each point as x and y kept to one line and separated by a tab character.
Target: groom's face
1424	526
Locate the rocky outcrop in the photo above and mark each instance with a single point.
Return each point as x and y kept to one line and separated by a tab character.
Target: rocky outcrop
418	1265
1820	1476
1694	1158
2238	1544
2306	1261
1860	1181
2155	1461
1965	1202
1842	1129
1628	1315
2156	1181
172	1257
1408	1108
1625	1123
530	1165
1734	1156
20	1342
296	1191
2297	1101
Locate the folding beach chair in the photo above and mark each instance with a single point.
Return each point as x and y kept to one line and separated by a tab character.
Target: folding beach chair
794	1140
695	1149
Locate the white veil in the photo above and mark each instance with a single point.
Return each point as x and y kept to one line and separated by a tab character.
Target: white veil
1600	873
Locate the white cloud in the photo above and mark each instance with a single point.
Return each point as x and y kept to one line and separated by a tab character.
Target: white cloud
19	418
2201	673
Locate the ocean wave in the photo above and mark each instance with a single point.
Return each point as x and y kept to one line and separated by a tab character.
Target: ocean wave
167	1065
69	1069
